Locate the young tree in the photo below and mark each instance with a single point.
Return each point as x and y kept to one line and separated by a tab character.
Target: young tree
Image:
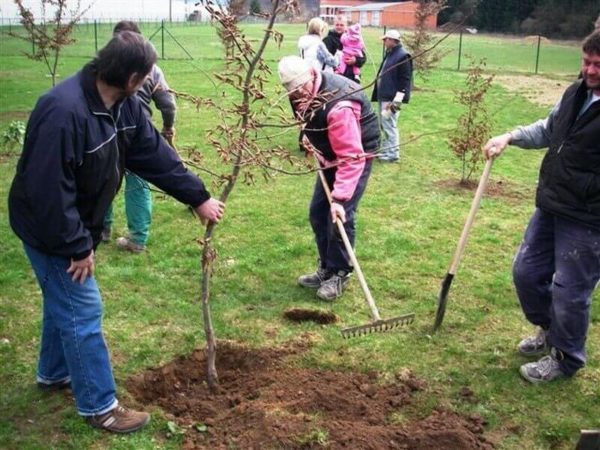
474	125
421	38
49	33
240	141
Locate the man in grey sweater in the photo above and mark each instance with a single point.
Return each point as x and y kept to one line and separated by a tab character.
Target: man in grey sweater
138	198
557	266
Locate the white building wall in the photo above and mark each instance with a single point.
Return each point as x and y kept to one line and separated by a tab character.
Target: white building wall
111	10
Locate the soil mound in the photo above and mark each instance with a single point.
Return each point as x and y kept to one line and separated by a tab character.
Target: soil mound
264	403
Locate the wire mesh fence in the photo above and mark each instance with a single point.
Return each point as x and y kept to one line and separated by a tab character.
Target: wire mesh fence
198	40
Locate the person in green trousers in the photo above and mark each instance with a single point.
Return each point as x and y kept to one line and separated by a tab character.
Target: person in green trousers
138	197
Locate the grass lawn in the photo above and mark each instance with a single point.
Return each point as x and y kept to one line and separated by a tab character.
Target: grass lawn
408	226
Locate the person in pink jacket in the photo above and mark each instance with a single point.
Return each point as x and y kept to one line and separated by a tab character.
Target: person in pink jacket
341	129
353	47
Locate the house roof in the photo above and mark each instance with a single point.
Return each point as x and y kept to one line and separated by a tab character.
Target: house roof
370	7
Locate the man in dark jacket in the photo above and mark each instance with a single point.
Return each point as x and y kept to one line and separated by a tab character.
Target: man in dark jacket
334	44
558	264
392	88
80	138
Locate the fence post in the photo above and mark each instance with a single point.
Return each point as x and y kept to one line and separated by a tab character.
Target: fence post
459	49
162	38
382	44
96	35
537	56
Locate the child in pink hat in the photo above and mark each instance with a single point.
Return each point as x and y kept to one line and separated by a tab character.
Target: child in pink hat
352	46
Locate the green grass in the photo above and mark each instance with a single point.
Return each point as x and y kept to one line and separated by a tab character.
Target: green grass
408	227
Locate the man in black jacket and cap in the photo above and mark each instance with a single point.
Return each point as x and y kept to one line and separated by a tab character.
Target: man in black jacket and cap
392	88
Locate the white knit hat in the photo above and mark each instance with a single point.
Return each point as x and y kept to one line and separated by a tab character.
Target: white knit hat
392	34
294	72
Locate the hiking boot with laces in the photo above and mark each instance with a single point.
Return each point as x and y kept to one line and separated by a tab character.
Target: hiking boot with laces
334	286
126	243
316	279
120	420
545	370
52	387
534	345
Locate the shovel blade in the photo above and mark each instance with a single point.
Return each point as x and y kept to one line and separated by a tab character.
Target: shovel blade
442	301
378	326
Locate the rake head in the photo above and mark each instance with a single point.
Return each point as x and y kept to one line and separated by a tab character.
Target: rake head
378	326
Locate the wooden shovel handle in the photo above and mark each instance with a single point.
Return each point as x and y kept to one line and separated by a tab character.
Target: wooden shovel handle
462	242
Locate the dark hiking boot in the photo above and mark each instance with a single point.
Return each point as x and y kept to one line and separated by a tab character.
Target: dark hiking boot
52	387
120	420
534	345
545	370
316	279
333	287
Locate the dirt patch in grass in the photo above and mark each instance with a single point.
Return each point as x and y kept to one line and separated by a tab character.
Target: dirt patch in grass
265	403
494	189
537	89
310	315
14	115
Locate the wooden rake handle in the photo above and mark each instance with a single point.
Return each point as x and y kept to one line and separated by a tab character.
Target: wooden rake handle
350	250
462	242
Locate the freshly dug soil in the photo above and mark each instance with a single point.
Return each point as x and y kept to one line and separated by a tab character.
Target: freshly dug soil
263	404
494	189
310	315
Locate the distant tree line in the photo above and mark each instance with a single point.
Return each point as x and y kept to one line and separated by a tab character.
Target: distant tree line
550	18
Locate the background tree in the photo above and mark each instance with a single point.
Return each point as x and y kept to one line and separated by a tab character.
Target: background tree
551	18
474	125
563	19
421	39
50	32
255	7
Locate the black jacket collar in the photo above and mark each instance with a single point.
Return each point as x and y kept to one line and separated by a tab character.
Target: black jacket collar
90	90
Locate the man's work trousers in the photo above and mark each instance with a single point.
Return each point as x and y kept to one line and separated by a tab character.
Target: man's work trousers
332	253
555	272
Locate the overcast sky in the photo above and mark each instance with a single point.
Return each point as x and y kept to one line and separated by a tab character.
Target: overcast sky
113	9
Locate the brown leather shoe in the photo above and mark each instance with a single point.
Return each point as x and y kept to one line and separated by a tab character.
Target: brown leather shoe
120	420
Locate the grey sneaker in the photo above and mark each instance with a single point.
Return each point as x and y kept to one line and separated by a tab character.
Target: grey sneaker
106	234
545	370
534	345
333	287
126	243
316	279
120	420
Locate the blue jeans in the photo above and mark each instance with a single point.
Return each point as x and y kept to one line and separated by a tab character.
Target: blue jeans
72	344
332	253
555	272
138	209
390	136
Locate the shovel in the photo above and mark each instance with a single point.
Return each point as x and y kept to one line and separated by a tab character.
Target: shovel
378	324
462	242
